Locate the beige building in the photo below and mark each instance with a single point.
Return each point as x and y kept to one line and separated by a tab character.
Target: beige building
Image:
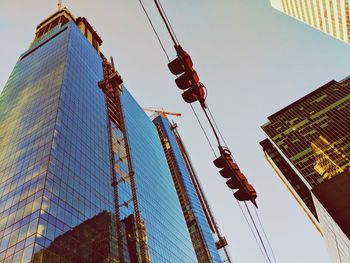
329	16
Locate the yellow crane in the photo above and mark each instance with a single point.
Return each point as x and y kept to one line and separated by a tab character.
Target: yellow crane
162	111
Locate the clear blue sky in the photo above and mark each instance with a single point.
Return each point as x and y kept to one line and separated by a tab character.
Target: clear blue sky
254	61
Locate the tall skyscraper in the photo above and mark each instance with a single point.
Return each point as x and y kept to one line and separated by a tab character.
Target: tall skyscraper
199	218
309	147
79	157
329	16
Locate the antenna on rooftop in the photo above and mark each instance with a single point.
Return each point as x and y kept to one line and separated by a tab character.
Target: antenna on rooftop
59	5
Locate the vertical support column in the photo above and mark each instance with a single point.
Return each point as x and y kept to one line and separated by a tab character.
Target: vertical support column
115	198
139	225
111	86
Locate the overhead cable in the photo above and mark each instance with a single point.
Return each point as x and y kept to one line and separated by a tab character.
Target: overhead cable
167	19
252	231
212	123
170	29
166	22
203	130
266	237
258	232
217	127
154	30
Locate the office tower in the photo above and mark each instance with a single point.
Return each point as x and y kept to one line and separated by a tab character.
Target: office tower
309	147
199	218
77	151
329	16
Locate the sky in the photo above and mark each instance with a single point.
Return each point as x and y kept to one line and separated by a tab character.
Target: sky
254	61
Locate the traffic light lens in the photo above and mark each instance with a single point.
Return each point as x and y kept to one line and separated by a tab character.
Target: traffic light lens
226	172
192	95
219	162
184	81
187	80
233	183
180	64
246	194
176	66
241	195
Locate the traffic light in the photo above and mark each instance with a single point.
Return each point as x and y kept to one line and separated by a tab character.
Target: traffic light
188	79
236	179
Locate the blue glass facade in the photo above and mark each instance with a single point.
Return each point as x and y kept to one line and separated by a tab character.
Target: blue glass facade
55	169
168	238
204	242
29	106
55	163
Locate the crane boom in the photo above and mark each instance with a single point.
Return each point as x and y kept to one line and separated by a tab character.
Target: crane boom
162	111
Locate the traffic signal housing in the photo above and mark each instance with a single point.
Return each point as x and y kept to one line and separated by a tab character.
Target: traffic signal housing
236	179
187	79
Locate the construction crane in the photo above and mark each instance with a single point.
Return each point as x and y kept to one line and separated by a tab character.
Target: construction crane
162	111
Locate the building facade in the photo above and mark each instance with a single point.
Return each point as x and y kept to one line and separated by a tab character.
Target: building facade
76	151
333	208
94	240
309	141
329	16
168	238
323	112
199	218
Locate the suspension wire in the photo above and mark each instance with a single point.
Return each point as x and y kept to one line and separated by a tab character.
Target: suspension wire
168	58
176	42
258	232
262	227
210	119
154	30
212	126
252	231
167	19
255	210
165	22
205	134
217	127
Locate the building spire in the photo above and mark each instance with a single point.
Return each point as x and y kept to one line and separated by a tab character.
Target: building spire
59	5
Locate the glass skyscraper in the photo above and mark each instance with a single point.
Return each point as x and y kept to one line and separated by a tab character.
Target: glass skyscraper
329	16
199	218
167	235
79	158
